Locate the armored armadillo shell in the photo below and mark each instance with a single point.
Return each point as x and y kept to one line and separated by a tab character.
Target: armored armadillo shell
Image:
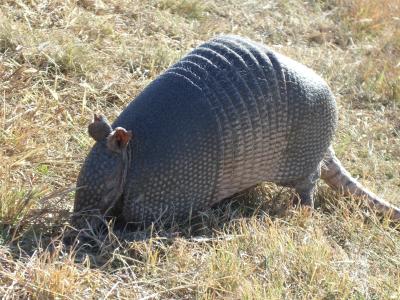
230	114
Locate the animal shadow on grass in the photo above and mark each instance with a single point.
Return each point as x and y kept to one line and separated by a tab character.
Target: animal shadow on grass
112	242
47	230
99	243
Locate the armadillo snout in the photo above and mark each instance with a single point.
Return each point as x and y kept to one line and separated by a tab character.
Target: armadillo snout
101	180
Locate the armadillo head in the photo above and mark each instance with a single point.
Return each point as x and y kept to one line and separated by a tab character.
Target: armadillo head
102	178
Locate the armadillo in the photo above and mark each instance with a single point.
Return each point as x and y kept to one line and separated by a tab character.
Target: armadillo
230	114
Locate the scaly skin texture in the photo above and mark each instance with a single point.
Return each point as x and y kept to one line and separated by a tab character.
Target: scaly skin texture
228	115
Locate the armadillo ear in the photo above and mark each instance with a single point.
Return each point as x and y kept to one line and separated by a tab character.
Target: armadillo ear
99	129
119	139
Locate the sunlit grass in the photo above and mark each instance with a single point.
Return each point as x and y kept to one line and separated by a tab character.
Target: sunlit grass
60	61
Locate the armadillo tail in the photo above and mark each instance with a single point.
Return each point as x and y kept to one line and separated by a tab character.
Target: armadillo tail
338	178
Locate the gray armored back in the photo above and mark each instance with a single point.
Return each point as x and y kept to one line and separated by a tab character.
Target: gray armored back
229	115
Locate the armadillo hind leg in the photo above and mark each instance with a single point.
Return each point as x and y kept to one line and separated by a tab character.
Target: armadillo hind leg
338	178
305	189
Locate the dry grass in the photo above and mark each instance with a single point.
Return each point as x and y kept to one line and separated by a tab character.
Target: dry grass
60	61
